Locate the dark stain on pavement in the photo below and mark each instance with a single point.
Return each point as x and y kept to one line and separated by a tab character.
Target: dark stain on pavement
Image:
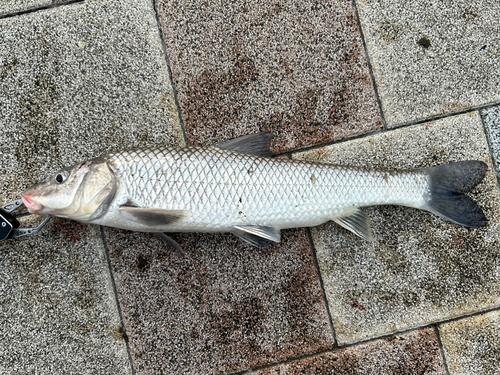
212	100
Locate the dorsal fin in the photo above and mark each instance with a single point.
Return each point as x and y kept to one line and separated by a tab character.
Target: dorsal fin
254	144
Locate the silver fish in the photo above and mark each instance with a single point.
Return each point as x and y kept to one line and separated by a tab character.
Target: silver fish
236	187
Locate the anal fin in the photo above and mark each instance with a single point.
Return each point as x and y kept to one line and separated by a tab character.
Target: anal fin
257	235
358	223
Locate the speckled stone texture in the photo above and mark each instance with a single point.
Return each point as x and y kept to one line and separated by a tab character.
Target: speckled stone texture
295	68
420	269
72	87
413	353
491	120
221	308
472	345
432	58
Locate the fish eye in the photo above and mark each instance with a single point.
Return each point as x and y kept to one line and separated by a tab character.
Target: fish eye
61	177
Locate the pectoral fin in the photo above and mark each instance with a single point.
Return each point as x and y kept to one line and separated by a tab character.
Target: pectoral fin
254	144
358	223
153	217
257	235
102	200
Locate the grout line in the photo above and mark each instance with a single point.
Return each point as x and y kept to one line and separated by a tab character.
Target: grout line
322	286
370	66
290	360
171	76
489	140
36	9
386	336
117	302
441	349
489	106
338	141
383	131
448	114
334	350
367	341
471	315
439	322
328	351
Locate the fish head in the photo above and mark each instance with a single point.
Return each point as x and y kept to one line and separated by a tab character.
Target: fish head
76	192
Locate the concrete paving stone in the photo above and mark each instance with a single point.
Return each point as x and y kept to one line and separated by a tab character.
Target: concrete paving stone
295	68
57	306
420	269
413	353
472	345
430	58
72	87
223	307
491	120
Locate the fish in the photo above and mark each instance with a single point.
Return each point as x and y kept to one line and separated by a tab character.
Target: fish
238	187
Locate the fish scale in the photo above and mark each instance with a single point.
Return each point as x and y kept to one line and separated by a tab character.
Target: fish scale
222	189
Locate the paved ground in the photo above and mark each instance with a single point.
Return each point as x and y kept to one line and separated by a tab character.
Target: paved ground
393	84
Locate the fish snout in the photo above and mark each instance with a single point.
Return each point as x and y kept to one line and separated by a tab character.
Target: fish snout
32	206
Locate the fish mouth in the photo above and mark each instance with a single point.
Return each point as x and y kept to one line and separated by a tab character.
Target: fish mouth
32	206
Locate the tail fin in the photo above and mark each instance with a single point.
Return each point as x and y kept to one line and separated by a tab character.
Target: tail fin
448	183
